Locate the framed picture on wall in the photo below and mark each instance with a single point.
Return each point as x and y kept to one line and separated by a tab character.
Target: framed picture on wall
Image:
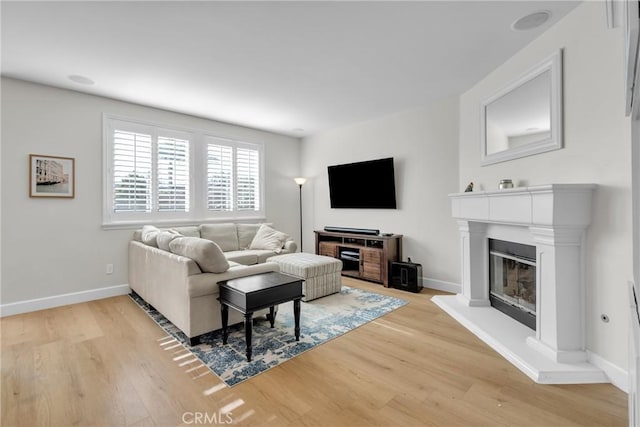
51	176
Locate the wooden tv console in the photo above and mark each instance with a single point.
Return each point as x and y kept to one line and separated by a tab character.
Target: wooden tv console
363	256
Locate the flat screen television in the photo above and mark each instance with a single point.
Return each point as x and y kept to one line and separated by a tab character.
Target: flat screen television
363	185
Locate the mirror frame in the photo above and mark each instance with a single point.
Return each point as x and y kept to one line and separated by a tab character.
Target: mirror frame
553	63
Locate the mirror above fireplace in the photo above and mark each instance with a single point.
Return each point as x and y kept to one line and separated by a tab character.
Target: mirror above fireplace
525	117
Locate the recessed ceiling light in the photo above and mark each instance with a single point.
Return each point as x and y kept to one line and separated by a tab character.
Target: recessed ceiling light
531	21
81	80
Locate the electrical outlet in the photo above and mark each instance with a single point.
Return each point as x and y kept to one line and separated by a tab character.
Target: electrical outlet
109	269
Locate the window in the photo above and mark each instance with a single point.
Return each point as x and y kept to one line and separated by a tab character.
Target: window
131	171
219	177
156	174
248	167
173	174
233	176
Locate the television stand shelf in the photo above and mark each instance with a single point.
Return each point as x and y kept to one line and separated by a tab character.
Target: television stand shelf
363	256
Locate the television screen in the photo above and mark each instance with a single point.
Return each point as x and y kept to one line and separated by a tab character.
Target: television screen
363	185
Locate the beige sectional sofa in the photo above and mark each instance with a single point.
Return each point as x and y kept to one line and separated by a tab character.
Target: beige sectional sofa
179	278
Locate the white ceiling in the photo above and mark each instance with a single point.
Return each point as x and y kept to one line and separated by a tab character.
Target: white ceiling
276	66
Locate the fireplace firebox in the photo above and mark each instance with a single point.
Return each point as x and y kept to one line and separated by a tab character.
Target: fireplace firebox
512	280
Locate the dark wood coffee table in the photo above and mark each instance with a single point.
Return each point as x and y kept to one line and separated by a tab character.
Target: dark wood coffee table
252	293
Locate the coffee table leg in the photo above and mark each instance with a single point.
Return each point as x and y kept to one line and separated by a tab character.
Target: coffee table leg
248	329
296	316
224	309
272	315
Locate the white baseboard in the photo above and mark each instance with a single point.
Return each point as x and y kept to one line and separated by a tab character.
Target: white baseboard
618	376
60	300
441	285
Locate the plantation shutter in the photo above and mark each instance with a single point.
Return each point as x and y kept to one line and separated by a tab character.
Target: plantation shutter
219	177
132	166
173	174
166	176
248	179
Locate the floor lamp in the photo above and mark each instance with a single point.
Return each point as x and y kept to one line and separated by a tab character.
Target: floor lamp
300	182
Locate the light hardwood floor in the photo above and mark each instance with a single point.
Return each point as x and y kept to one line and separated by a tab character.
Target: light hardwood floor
105	363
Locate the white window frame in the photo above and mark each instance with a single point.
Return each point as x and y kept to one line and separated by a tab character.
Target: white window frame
198	212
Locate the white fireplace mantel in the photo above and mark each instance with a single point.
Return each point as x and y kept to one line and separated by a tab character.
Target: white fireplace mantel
553	205
554	219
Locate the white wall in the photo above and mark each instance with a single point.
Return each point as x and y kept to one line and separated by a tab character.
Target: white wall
423	143
635	153
597	150
56	246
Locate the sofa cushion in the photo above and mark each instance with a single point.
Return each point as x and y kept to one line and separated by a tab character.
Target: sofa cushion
225	235
204	252
149	235
188	231
269	238
262	254
247	257
246	233
165	237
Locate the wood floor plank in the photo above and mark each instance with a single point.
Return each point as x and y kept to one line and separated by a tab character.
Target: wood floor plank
18	385
106	363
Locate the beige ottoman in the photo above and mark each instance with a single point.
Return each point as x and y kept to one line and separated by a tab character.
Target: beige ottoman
321	274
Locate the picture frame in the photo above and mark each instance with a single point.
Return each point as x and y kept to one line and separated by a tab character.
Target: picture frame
51	176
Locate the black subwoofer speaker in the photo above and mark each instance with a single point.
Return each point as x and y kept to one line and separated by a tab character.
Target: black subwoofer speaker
406	276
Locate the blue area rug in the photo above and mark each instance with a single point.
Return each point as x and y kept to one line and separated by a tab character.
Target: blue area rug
321	320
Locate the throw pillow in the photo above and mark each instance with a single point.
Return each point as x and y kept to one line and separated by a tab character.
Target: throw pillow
165	237
269	239
246	233
150	235
204	252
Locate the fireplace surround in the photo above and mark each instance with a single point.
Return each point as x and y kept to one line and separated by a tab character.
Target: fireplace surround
553	219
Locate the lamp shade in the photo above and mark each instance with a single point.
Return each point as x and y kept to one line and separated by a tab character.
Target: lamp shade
300	181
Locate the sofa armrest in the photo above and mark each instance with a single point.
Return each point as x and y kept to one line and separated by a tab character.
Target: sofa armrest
290	246
148	265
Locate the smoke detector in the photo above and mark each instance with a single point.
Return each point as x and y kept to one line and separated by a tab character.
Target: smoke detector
531	21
